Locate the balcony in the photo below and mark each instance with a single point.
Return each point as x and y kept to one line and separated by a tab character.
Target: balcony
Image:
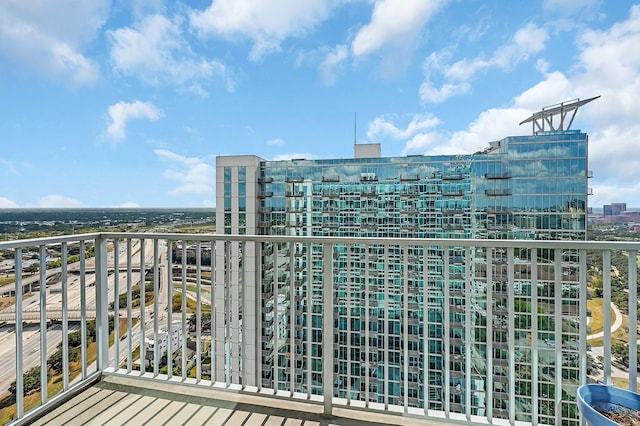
294	194
451	192
453	176
409	177
331	193
60	319
497	192
498	175
454	211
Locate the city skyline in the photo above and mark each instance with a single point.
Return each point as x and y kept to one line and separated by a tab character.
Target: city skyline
127	105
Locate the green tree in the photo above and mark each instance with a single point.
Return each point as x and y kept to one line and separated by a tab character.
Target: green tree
620	351
596	284
30	380
205	321
55	362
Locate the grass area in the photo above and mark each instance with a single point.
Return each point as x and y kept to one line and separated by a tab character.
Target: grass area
122	330
597	315
191	305
135	302
204	228
621	335
622	383
6	281
205	295
54	386
206	275
6	302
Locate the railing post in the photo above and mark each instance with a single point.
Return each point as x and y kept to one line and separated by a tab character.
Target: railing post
102	319
19	342
633	320
606	312
43	324
327	327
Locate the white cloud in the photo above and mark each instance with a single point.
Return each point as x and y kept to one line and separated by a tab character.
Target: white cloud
380	127
6	203
430	93
614	154
418	134
275	142
608	65
128	205
58	202
434	63
294	156
542	66
612	57
422	142
490	125
122	112
45	36
192	175
8	167
396	23
333	63
267	23
554	88
464	69
141	8
569	7
527	41
607	194
155	51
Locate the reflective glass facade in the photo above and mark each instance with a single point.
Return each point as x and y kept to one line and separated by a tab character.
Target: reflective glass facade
523	187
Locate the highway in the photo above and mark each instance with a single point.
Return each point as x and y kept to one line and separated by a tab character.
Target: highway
30	346
31	305
28	280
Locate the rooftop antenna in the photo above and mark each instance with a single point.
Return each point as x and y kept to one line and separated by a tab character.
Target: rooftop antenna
355	129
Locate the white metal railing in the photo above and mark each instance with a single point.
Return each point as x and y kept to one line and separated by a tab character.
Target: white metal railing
467	330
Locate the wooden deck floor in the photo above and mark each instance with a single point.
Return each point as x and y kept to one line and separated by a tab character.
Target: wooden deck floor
128	401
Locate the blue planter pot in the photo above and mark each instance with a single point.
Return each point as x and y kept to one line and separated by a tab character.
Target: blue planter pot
604	397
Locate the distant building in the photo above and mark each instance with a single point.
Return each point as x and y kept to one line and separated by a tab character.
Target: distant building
614	209
163	342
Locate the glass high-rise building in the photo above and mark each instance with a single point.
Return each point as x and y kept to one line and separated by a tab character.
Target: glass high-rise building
521	187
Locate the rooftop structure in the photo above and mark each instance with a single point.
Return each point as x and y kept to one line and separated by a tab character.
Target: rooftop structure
545	118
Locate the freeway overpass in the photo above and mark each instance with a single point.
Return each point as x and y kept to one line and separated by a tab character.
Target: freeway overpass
31	283
34	316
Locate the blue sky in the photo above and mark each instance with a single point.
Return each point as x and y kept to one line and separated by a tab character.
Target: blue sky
127	103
